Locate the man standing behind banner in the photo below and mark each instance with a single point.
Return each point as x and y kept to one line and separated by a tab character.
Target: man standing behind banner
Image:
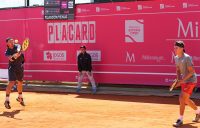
85	67
15	70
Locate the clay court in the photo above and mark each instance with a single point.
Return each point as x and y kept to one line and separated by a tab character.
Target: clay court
92	111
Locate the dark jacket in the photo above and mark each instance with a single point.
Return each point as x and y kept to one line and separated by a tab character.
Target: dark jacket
17	62
84	62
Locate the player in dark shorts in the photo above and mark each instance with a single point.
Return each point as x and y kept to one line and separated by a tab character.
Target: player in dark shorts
187	80
15	70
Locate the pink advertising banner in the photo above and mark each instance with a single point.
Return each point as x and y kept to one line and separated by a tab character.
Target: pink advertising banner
130	42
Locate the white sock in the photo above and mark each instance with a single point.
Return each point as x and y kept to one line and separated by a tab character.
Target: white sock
180	118
7	98
197	111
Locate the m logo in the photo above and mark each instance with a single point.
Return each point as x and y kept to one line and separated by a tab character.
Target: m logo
130	57
173	56
134	31
188	30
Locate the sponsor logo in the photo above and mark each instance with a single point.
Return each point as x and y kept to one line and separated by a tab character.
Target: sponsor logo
139	7
95	54
55	56
99	9
152	58
188	5
142	7
194	58
188	30
169	80
82	10
185	5
120	8
130	57
134	31
79	10
71	32
163	6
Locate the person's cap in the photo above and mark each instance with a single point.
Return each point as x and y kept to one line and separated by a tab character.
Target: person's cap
180	44
83	47
7	39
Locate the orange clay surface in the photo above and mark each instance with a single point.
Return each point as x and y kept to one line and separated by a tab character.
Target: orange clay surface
92	111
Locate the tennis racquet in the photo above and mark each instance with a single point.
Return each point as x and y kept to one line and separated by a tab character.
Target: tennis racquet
23	47
174	84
